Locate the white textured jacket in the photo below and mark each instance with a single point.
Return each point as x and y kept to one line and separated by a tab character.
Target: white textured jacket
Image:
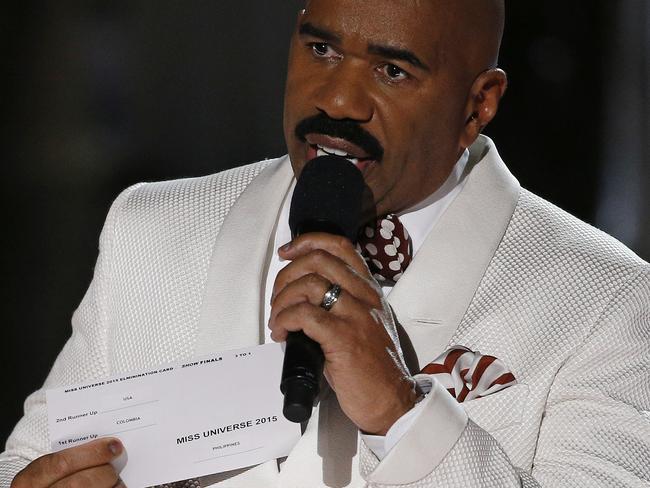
181	273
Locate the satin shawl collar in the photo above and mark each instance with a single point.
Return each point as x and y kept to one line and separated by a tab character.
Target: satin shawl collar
231	313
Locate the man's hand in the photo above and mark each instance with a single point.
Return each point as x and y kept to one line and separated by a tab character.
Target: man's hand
81	466
362	363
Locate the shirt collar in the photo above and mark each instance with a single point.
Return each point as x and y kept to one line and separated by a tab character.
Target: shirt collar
421	218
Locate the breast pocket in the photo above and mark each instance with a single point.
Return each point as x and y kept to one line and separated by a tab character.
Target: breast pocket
500	410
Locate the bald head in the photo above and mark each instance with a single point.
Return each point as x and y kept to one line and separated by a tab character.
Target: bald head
479	27
472	30
468	35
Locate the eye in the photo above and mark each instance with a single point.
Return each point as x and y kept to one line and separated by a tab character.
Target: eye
393	73
322	50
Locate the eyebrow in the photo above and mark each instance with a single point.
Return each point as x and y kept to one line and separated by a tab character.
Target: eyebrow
399	54
309	29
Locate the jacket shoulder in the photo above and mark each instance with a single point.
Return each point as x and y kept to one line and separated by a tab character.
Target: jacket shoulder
221	189
570	261
556	274
560	235
188	203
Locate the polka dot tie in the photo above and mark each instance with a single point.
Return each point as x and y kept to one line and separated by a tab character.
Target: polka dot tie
387	248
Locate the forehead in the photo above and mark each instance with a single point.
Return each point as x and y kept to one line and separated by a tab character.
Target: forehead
413	24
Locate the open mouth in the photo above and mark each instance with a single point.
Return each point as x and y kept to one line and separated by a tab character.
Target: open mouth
316	151
324	151
321	145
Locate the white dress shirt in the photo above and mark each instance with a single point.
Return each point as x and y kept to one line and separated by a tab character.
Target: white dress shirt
418	220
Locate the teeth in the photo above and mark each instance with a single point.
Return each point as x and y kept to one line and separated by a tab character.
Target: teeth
335	152
329	151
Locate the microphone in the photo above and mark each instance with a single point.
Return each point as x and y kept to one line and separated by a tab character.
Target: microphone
327	198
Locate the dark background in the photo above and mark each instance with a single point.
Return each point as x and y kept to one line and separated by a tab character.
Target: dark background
97	95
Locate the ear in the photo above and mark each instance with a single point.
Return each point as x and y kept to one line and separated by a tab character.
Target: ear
483	103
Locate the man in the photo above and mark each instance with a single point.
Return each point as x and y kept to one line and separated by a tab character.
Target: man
403	88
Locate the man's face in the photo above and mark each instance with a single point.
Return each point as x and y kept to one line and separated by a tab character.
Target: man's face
377	80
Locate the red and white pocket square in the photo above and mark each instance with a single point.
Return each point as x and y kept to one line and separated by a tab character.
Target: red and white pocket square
467	374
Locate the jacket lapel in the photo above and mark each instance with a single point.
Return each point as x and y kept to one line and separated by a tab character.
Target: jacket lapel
434	293
231	313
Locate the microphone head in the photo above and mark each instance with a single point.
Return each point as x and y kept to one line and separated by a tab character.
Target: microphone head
328	198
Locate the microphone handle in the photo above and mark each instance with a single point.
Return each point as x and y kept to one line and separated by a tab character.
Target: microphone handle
302	369
301	374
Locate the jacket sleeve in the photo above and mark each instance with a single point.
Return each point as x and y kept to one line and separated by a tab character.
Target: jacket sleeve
83	357
595	430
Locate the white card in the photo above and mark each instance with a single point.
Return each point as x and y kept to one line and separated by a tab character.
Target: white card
184	420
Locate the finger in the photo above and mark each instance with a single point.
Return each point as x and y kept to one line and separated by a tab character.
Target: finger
346	307
311	319
334	270
103	476
310	287
338	246
51	468
321	325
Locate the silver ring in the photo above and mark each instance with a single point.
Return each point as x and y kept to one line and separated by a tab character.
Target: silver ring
331	296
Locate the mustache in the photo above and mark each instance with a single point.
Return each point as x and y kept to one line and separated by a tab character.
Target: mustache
346	129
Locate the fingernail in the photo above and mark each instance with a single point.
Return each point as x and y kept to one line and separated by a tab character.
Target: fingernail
115	447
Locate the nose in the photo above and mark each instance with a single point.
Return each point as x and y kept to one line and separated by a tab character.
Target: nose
344	94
